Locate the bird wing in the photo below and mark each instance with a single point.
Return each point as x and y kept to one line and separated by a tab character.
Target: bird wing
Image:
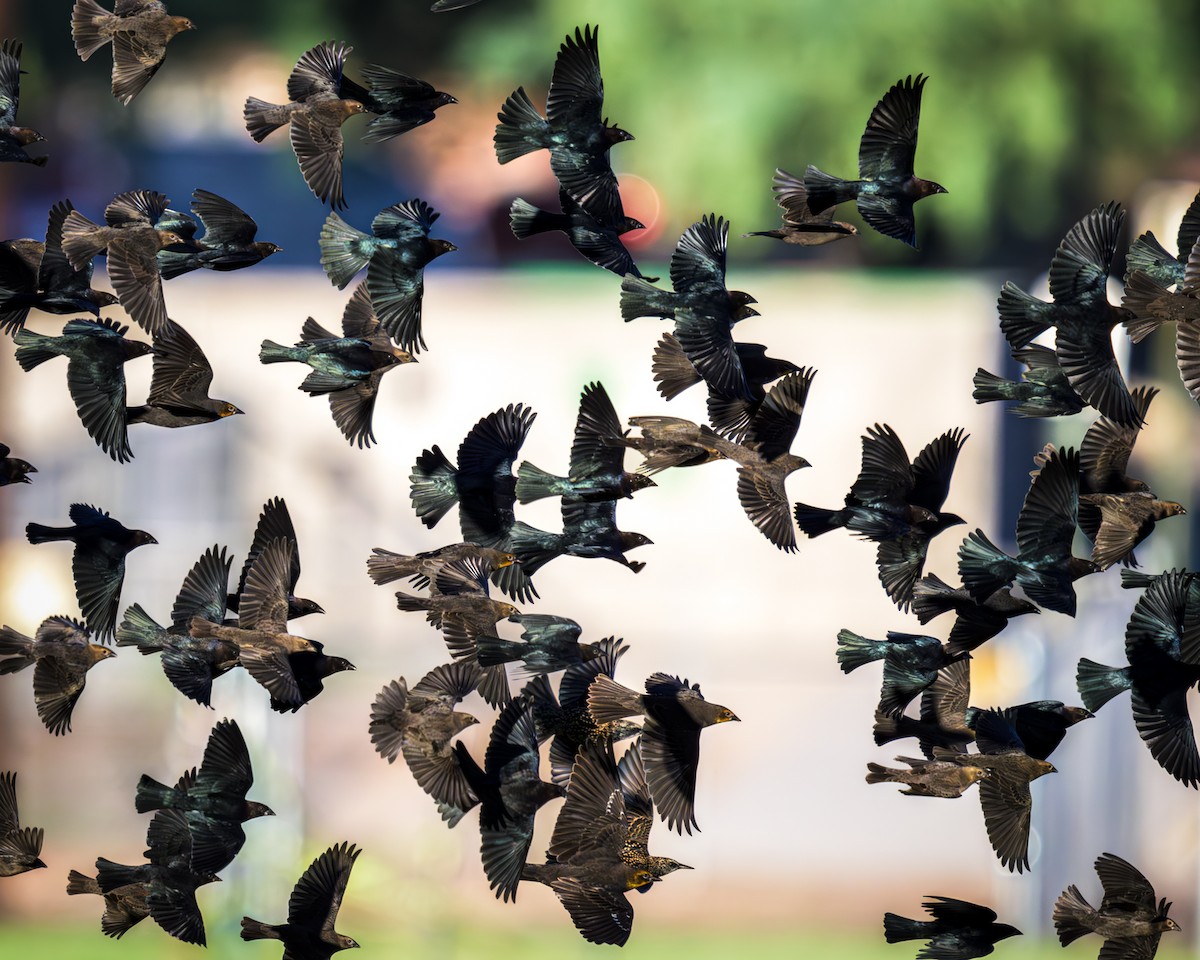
933	468
672	756
597	420
889	143
1163	722
10	81
1129	948
97	385
406	223
886	473
270	667
1104	452
1086	356
273	522
9	822
396	290
135	60
354	407
393	88
1046	524
437	773
317	896
181	370
765	501
133	273
773	426
593	817
708	343
600	914
450	682
225	769
205	589
1081	265
319	147
1120	528
698	263
98	576
960	913
890	215
1126	889
945	700
358	317
55	271
573	687
263	603
1007	805
224	222
576	95
318	71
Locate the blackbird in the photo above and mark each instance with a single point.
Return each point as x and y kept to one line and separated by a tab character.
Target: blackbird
19	846
1041	724
548	644
179	384
802	227
1042	391
98	563
314	116
589	530
227	244
595	239
399	102
976	622
1149	256
139	31
14	469
910	664
274	522
14	139
888	188
959	929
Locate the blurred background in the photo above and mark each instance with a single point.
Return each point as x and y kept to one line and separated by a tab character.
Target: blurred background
1034	114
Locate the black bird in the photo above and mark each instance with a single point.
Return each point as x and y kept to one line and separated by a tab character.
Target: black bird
190	663
595	239
139	31
1129	919
395	254
959	929
19	846
39	276
227	244
1151	270
274	522
130	242
802	227
400	102
976	622
96	352
421	723
310	668
589	531
98	563
573	129
910	664
124	907
928	778
14	139
888	188
943	719
548	644
179	384
1080	313
1043	566
1041	725
482	485
384	566
170	881
596	471
212	799
510	792
1042	391
675	714
1164	662
314	116
13	469
346	369
1149	256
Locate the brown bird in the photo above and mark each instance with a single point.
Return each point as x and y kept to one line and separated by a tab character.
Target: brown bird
314	117
928	778
384	566
179	384
801	226
124	906
1126	520
139	31
61	655
19	846
14	139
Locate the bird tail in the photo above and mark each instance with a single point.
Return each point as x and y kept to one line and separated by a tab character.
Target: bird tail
825	190
33	348
815	521
989	387
78	883
411	603
343	253
111	875
1148	255
152	795
896	928
262	118
526	219
382	566
492	650
547	713
1098	684
17	648
608	700
1137	580
932	597
1140	291
271	352
433	486
202	629
1019	315
640	298
983	567
888	728
521	129
673	371
534	483
257	930
139	629
82	240
877	773
1070	909
854	650
534	548
87	16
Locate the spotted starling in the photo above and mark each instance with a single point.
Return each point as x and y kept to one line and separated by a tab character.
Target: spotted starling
19	846
802	227
139	31
959	929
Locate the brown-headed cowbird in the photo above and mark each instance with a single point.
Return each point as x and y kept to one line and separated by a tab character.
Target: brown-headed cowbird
943	720
13	469
573	129
19	846
1126	520
596	240
589	531
928	778
124	907
400	102
976	621
227	244
959	929
275	522
548	644
314	116
1040	724
888	188
667	442
1042	391
1129	918
98	562
384	566
802	227
179	384
139	31
675	714
309	933
14	139
910	663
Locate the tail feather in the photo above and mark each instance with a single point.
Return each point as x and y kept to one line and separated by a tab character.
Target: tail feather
152	795
989	387
111	875
1020	315
1140	293
262	118
1148	255
896	928
854	650
877	773
815	521
521	129
433	489
825	191
33	348
983	567
343	253
17	648
932	597
1069	910
1136	579
526	219
535	548
271	352
640	298
1098	683
534	483
673	371
257	930
608	700
86	19
78	883
82	239
139	629
491	650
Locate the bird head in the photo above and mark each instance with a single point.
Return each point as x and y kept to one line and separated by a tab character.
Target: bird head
265	248
628	223
302	607
101	298
24	466
226	409
1074	714
505	560
179	24
441	246
25	135
255	809
350	108
1173	509
99	652
344	942
928	188
337	665
975	774
140	538
402	356
506	611
614	134
640	878
37	862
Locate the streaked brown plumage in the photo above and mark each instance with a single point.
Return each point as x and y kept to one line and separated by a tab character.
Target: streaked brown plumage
139	31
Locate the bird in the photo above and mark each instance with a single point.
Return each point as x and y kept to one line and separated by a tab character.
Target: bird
975	622
395	255
1044	566
227	244
589	531
19	846
139	31
309	932
13	138
179	384
548	644
1149	256
888	188
596	470
39	276
1151	270
572	130
385	566
639	808
400	102
928	778
274	521
346	369
212	799
1128	918
191	664
594	238
1080	313
98	562
802	227
959	929
124	907
1042	391
14	469
61	653
675	713
910	663
130	241
314	116
1041	725
1126	520
666	442
943	717
96	352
